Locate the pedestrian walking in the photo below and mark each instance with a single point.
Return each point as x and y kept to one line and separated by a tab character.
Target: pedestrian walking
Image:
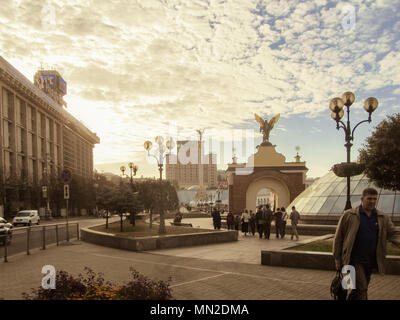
268	216
360	241
230	221
252	222
294	220
260	221
278	222
283	223
216	219
245	222
237	222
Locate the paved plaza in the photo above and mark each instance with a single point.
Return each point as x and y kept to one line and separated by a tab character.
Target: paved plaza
215	272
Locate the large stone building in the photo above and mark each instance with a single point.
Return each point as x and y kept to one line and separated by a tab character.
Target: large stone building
191	166
39	138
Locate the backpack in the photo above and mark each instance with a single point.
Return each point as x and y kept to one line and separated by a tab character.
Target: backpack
337	291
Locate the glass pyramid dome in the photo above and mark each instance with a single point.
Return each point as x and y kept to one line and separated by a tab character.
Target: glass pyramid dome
323	202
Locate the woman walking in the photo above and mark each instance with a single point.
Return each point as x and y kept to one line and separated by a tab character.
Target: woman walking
245	222
230	223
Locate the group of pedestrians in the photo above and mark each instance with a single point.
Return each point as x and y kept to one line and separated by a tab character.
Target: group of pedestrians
262	220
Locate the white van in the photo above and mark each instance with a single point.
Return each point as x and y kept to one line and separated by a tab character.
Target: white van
26	218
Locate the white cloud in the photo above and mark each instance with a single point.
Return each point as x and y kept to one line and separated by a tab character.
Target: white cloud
131	67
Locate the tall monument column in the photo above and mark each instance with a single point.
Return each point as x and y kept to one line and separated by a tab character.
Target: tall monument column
200	158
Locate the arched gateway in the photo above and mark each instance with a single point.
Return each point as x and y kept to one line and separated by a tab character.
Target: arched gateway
265	169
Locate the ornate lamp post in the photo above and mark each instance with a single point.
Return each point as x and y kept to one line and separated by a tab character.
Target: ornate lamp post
219	197
160	161
336	106
161	151
45	189
133	168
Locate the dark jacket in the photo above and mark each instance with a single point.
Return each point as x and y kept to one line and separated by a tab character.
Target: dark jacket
259	216
278	216
230	218
268	216
216	216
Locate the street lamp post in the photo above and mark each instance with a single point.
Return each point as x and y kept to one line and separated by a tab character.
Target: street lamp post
219	198
47	187
336	106
160	160
133	169
161	151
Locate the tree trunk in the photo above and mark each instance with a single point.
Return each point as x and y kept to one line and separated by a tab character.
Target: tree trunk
162	223
151	219
132	218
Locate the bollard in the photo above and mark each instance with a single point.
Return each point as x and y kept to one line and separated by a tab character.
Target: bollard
77	230
5	248
57	234
44	237
28	235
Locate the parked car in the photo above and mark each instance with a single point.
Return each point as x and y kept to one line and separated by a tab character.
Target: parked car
26	218
5	231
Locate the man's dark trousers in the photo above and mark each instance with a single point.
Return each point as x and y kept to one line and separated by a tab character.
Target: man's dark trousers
260	229
363	277
267	230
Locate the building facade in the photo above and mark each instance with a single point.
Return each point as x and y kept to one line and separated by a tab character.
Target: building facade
191	166
38	137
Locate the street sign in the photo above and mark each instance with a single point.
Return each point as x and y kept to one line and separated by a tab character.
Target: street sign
66	191
66	176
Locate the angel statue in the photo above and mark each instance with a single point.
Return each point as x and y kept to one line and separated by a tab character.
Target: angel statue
266	127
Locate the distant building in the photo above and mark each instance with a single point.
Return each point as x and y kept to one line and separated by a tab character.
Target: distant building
38	137
222	179
186	169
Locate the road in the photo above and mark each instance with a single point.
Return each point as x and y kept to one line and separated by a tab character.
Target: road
55	228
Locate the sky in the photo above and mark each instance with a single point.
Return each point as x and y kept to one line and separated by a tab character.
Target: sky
139	69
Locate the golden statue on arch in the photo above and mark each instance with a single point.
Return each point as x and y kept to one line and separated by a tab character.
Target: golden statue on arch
266	127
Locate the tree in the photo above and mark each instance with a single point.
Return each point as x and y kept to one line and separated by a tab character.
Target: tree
381	154
165	198
146	195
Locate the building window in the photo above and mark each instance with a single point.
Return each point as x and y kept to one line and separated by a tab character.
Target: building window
5	103
6	141
33	119
29	145
42	125
19	142
48	128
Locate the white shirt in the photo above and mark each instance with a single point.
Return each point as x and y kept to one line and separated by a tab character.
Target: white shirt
245	216
284	216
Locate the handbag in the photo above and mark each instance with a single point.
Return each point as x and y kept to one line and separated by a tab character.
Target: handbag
337	290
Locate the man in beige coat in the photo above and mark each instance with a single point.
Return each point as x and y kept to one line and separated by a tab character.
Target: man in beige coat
360	241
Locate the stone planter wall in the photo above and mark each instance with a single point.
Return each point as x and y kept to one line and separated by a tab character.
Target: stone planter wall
157	242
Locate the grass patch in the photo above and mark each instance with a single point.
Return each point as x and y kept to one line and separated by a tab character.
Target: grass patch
326	246
142	229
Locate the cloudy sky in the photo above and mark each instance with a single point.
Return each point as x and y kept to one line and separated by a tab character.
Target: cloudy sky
138	69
